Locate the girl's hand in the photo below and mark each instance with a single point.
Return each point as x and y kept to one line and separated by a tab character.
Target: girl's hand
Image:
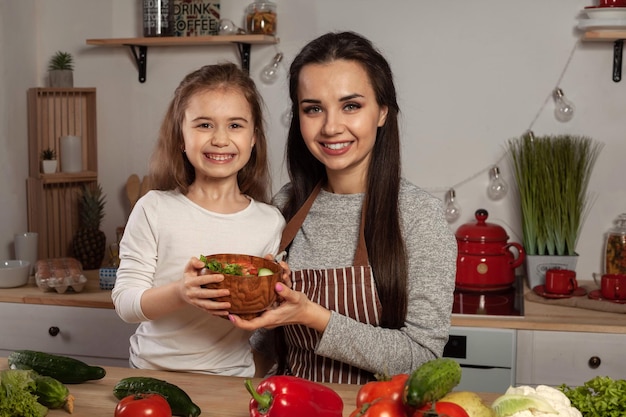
192	291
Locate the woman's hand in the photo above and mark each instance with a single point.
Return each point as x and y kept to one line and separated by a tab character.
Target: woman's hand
286	277
294	308
191	290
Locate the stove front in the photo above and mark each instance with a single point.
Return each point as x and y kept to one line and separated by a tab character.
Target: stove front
505	302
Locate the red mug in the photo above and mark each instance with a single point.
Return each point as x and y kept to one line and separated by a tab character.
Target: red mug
613	286
561	281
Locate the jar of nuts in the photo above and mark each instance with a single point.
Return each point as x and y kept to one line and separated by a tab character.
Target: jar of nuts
261	18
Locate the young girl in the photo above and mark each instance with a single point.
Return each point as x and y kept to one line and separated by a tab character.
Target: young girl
372	257
209	175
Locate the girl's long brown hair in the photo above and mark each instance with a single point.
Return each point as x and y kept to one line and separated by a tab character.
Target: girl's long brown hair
169	167
383	235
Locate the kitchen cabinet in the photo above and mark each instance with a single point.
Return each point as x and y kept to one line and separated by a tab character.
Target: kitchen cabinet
96	336
139	46
572	358
52	199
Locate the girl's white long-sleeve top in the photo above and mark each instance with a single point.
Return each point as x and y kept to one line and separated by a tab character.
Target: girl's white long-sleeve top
164	230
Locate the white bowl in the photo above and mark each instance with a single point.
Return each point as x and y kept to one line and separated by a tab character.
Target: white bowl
14	273
606	12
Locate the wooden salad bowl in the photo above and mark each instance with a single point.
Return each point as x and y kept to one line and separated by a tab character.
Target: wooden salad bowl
250	295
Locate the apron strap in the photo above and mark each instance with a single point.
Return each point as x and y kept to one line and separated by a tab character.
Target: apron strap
294	225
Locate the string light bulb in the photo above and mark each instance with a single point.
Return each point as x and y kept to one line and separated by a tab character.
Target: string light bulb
228	27
453	211
564	109
497	188
285	118
269	74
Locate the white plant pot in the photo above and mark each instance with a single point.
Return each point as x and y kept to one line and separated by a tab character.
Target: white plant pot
537	265
49	166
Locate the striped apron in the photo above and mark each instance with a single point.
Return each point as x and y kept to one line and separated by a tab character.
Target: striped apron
350	291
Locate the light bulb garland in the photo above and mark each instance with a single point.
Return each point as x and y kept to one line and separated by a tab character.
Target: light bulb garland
452	209
269	74
497	187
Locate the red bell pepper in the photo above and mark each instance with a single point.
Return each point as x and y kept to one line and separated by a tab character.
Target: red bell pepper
290	396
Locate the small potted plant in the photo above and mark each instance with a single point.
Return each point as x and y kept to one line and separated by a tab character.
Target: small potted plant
49	161
61	70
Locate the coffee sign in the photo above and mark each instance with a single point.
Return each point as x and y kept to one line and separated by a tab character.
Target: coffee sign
196	17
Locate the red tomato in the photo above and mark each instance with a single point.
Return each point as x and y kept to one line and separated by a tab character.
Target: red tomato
392	389
143	405
381	407
442	409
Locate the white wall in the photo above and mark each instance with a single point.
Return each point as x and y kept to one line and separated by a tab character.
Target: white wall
470	76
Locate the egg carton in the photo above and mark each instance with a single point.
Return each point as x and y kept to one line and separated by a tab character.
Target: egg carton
60	275
62	284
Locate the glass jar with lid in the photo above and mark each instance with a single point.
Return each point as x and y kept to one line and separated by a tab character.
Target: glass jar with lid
615	248
261	18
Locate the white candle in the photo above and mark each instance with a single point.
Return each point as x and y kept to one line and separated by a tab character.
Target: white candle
71	154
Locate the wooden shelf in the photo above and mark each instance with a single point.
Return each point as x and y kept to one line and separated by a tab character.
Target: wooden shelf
52	199
139	46
185	40
63	177
610	35
604	35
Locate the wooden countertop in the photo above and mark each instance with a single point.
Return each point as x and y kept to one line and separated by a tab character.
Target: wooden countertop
215	395
91	296
537	316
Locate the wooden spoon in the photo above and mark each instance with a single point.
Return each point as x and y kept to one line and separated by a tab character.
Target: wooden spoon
145	186
132	190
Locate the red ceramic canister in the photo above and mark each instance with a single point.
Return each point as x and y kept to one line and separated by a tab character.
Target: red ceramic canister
485	261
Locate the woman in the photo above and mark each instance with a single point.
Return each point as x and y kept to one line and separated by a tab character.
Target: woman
209	172
373	261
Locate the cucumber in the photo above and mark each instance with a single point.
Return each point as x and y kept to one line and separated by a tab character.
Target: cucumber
62	368
53	394
178	399
431	381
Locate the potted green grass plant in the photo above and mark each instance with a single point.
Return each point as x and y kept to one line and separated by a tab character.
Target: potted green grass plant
49	161
552	174
61	70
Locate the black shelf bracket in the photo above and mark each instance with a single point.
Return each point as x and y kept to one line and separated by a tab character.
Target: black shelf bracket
618	48
140	53
244	54
141	58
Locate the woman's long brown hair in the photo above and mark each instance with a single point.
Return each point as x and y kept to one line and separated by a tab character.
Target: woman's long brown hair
383	234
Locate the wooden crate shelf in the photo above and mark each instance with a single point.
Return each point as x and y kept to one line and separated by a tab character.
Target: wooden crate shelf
53	198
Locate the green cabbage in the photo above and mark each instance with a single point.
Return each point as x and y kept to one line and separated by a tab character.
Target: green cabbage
17	398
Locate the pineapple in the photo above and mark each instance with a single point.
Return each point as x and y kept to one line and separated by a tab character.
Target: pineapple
89	243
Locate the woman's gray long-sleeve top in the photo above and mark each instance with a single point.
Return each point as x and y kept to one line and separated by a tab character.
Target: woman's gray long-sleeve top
328	239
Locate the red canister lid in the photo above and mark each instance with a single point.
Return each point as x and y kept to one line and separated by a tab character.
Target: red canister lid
481	231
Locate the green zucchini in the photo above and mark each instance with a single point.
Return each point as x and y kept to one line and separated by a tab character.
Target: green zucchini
53	394
62	368
179	401
431	381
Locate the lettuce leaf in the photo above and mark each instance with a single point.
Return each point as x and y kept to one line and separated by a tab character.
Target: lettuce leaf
17	398
600	396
